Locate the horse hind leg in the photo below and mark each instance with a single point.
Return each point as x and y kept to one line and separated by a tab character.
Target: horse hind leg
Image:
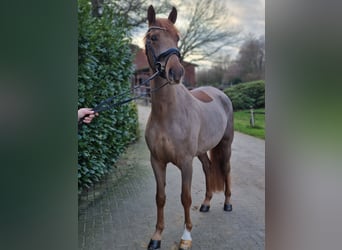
205	206
220	176
227	205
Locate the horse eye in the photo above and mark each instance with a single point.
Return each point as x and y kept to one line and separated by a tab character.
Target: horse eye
154	38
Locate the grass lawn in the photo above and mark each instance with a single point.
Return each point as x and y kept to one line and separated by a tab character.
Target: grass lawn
242	123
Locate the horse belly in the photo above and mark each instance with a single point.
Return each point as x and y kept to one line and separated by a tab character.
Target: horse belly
206	143
212	130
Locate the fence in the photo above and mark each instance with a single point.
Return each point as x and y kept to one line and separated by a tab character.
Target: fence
252	119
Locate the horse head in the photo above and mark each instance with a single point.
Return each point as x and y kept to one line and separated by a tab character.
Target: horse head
161	46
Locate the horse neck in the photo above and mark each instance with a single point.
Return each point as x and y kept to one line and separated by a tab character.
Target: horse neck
164	99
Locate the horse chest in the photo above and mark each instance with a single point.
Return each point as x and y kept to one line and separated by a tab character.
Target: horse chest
164	143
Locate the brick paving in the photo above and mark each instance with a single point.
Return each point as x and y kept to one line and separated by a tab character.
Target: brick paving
120	212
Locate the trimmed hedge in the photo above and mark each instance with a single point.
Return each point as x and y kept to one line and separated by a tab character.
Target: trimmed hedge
245	95
105	68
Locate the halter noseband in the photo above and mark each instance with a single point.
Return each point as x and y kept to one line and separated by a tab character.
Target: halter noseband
164	55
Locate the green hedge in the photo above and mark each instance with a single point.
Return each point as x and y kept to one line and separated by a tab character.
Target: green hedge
105	69
245	95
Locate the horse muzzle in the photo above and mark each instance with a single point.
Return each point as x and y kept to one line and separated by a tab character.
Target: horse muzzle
174	70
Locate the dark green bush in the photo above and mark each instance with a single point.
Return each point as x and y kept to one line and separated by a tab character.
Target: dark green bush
105	69
245	95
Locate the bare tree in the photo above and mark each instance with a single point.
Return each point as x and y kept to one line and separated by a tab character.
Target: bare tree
134	11
207	31
222	73
233	74
205	27
251	59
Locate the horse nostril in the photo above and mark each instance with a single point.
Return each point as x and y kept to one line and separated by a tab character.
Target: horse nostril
175	74
171	73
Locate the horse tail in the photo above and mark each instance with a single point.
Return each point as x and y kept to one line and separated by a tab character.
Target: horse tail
220	166
220	158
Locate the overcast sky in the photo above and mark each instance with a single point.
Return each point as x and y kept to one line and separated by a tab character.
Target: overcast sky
249	15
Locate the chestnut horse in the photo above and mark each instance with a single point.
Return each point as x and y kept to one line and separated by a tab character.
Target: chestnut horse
184	124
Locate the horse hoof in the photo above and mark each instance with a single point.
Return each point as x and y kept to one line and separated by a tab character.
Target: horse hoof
228	207
185	245
204	208
154	244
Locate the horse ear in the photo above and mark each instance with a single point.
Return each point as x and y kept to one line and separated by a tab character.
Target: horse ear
151	15
173	15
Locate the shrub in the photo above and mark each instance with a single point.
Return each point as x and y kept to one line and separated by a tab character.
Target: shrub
245	95
105	68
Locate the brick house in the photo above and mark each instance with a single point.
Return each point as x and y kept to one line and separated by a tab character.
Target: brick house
142	70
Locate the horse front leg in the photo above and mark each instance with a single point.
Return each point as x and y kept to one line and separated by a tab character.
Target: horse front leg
159	169
186	240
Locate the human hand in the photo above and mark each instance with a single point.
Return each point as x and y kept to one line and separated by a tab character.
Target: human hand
86	115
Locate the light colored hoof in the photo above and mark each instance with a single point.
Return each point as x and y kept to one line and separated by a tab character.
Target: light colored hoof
185	245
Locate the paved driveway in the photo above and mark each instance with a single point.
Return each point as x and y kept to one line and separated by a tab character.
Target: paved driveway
120	213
